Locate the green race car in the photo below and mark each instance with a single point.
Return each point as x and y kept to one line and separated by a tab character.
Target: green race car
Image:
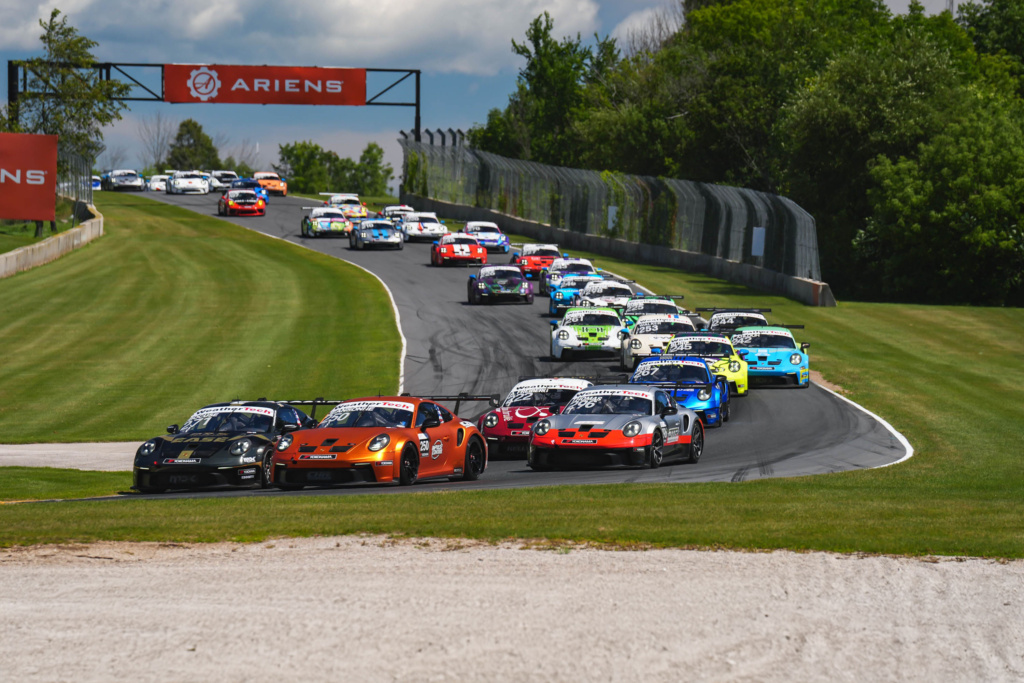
586	329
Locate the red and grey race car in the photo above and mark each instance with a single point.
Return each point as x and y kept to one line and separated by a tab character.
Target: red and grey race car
507	429
616	425
534	258
457	248
241	203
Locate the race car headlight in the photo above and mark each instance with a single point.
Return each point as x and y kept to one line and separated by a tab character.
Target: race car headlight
240	446
631	429
148	448
491	420
796	359
541	428
635	344
704	394
481	285
558	295
563	335
734	366
285	442
379	442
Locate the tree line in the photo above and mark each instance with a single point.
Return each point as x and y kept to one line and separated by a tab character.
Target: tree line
901	134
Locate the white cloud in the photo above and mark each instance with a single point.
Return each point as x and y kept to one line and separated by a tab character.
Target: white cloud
635	21
445	36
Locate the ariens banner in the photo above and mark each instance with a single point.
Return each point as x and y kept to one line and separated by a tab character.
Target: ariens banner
264	84
28	176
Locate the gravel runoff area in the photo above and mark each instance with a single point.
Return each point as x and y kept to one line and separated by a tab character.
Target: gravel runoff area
116	456
374	608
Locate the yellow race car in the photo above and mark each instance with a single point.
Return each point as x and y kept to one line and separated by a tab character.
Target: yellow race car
718	352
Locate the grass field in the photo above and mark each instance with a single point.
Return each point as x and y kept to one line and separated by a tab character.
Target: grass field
171	310
17	234
949	378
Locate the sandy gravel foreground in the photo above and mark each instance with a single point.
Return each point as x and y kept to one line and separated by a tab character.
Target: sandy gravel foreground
369	608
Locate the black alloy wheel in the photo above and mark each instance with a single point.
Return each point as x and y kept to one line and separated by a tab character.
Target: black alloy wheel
409	468
697	443
475	462
267	474
656	451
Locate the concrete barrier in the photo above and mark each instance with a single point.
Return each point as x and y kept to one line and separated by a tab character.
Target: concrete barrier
54	247
810	292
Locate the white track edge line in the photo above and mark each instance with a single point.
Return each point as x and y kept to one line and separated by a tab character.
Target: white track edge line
892	430
394	306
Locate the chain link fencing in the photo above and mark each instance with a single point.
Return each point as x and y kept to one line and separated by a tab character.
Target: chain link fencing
715	220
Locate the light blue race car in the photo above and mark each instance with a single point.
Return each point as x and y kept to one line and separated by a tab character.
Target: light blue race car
489	235
773	356
692	384
565	292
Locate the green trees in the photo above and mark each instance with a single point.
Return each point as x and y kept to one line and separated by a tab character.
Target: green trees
192	148
62	95
310	168
900	134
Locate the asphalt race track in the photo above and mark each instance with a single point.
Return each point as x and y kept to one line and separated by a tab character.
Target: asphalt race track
453	347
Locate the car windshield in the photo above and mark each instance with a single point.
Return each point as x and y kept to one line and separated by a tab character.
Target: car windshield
241	194
669	372
190	175
587	318
539	397
577	268
462	240
428	219
608	403
223	419
651	307
500	272
378	225
736	320
245	183
661	327
267	176
349	201
608	290
338	215
370	414
225	175
700	347
546	253
485	228
761	340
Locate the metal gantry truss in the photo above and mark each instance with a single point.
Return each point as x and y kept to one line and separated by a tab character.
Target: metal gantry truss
147	85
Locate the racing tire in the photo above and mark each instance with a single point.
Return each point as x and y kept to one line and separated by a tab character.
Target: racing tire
726	412
656	452
401	245
409	467
475	461
630	364
528	299
267	471
696	443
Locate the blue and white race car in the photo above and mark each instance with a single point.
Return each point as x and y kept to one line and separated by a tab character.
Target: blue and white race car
376	232
488	234
565	292
692	384
564	267
773	356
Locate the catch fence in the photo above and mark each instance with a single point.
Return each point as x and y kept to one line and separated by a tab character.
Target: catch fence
715	220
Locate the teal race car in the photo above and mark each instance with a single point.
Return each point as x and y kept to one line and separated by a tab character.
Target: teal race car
586	330
773	356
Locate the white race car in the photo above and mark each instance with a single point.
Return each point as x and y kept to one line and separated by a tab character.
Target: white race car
221	180
423	225
187	182
586	330
651	336
560	267
124	179
605	294
349	204
158	183
396	213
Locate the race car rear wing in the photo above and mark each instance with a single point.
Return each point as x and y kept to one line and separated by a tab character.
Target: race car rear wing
493	399
316	402
596	379
641	295
733	310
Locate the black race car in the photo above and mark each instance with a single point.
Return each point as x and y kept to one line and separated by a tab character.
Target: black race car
499	282
224	444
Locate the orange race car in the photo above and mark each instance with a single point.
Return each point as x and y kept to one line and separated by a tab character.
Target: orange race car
382	439
271	182
532	259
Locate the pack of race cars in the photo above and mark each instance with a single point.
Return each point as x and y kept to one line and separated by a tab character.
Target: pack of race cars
682	372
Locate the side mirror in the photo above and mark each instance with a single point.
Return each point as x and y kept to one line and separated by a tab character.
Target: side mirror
472	277
554	323
804	347
173	429
435	243
623	335
670	410
290	426
431	423
742	352
565	255
557	410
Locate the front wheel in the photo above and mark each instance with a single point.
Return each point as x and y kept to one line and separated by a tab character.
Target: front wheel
528	298
726	411
656	451
475	462
267	475
409	469
697	443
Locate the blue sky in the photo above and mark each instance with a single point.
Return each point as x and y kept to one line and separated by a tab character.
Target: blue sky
463	48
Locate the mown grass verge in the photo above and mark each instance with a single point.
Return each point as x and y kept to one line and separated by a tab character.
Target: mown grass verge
949	378
172	310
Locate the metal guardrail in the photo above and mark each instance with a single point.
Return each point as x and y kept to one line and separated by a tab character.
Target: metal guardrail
715	220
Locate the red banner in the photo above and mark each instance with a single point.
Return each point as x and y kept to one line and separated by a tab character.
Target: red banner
264	84
28	176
